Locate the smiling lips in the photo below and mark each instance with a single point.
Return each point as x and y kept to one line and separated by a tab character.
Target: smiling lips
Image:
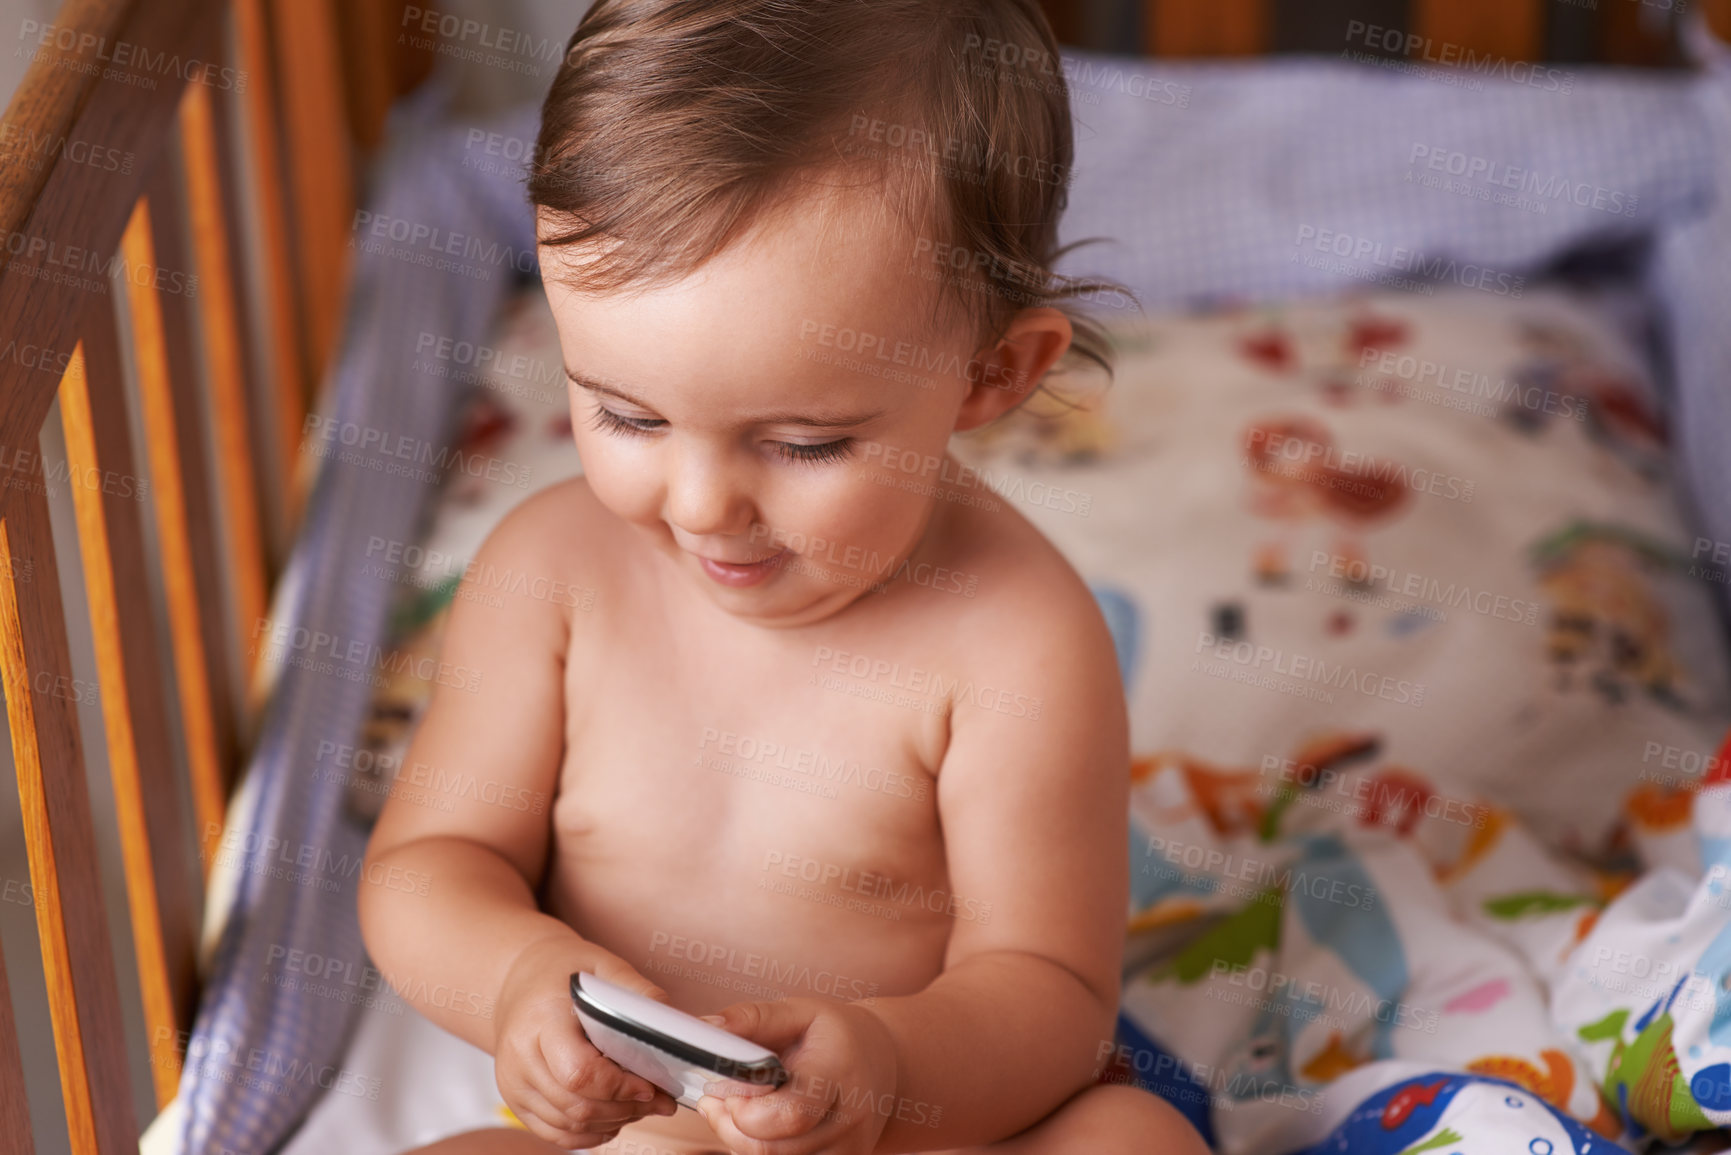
738	575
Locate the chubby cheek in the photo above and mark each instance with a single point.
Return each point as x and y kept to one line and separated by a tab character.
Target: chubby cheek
840	522
621	476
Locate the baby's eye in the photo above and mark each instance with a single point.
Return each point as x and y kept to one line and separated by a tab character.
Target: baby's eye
606	419
828	451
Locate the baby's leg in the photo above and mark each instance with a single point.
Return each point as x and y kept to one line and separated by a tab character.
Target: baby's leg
1105	1119
508	1141
492	1141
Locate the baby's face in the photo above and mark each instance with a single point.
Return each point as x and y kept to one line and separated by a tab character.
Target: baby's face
721	416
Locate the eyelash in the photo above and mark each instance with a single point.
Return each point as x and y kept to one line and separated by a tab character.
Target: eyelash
826	453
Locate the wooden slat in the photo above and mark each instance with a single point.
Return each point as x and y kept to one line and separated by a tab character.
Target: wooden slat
51	95
310	87
412	60
1718	13
171	246
1500	29
219	301
1205	27
380	63
369	33
262	440
292	383
83	998
172	430
105	495
15	1133
64	213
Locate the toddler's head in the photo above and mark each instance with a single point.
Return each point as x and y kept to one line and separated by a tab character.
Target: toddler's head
791	246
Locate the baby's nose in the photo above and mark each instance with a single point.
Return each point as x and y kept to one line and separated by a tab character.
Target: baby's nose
705	498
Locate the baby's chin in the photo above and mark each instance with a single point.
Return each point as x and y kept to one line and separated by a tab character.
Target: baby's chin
799	586
784	600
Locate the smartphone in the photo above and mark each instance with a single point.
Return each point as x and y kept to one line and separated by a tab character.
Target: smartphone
677	1052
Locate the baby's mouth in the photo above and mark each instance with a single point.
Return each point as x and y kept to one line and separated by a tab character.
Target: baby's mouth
740	574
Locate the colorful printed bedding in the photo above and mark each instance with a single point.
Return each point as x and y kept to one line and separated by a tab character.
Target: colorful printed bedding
1428	847
1421	679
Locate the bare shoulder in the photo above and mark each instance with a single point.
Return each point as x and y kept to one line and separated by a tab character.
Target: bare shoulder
551	516
559	534
1032	620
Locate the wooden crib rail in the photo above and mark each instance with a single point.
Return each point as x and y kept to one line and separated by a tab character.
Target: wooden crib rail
1632	32
110	270
1510	29
64	224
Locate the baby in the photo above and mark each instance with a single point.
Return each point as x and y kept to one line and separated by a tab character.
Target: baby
834	740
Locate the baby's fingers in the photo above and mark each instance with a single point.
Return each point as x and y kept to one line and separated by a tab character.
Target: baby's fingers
578	1067
791	1127
545	1121
590	1114
557	1089
621	973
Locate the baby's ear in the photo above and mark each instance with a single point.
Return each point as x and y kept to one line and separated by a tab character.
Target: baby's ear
1003	377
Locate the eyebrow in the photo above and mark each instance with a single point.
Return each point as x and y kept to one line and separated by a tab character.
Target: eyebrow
825	420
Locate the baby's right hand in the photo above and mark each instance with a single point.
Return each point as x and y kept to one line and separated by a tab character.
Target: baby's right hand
550	1075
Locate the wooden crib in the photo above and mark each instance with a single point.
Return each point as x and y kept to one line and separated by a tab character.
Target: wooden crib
156	266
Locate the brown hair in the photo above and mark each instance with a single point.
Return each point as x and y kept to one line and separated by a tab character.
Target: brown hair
673	125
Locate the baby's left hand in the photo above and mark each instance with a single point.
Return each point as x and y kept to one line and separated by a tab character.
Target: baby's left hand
842	1075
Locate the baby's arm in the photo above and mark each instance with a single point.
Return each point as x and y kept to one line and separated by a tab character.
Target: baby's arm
447	901
1035	820
1035	814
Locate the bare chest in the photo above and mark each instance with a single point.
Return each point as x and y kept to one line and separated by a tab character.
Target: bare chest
752	801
